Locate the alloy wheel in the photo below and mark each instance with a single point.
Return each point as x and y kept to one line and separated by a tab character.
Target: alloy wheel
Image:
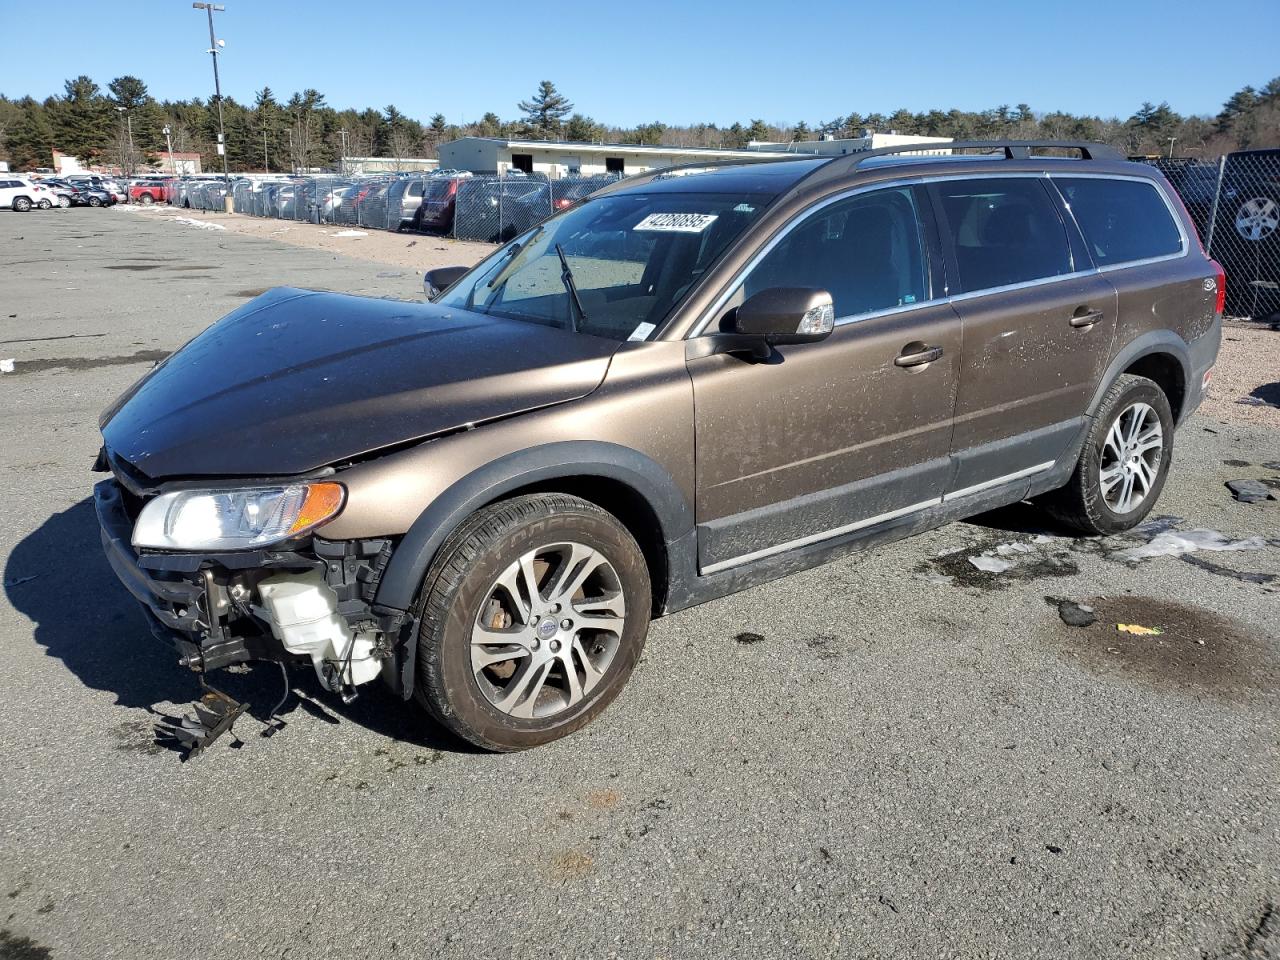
547	630
1258	218
1130	460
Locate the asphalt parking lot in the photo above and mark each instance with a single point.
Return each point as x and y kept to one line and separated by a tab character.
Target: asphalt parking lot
894	755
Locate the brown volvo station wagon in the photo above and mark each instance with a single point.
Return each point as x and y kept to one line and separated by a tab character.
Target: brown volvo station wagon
697	380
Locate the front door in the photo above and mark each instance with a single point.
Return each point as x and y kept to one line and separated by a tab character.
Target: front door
831	437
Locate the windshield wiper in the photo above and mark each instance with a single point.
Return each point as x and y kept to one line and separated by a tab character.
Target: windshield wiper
579	317
513	253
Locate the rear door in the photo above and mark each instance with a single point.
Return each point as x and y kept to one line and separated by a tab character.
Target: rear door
1038	322
831	437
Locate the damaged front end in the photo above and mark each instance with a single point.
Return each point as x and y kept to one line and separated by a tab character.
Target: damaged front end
190	556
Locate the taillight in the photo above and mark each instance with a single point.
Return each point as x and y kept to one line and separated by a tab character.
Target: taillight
1220	304
453	187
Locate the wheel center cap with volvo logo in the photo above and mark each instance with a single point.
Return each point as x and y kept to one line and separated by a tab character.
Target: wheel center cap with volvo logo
548	627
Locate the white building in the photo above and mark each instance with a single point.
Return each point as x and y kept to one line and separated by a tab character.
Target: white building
567	159
868	141
358	166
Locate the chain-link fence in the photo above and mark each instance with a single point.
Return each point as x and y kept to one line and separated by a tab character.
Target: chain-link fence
1235	203
492	209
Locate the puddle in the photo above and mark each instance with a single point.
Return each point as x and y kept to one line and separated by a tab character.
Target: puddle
1046	561
87	363
1198	650
16	947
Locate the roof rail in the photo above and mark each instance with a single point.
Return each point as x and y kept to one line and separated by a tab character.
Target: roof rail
1012	149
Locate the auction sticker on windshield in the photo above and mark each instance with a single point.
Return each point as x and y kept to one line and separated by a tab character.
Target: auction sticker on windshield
676	222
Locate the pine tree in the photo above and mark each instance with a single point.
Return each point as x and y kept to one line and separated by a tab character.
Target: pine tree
30	142
547	108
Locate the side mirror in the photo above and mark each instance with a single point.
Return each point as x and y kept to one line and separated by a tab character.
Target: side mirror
771	317
786	315
437	281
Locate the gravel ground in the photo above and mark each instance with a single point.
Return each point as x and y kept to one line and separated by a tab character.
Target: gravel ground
417	251
893	755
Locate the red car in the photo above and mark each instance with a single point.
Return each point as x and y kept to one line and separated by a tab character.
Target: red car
151	191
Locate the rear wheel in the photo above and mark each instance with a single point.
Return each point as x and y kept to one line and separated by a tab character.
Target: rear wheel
146	199
1124	462
532	619
45	204
95	202
64	201
21	204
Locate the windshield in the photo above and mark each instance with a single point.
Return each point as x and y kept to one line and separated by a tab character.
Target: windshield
613	267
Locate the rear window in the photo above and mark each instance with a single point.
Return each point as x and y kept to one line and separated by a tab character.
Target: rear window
1122	220
1004	230
438	189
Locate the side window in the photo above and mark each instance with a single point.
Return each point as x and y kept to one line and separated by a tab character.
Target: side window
1122	220
1004	230
866	251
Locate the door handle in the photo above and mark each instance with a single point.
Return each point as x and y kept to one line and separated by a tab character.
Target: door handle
1084	317
917	354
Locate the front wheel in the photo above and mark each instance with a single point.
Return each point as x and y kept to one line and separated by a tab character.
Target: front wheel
532	618
95	202
45	204
64	202
1124	462
21	204
146	200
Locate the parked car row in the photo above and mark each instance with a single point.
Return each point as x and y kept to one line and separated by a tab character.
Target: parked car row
451	202
21	193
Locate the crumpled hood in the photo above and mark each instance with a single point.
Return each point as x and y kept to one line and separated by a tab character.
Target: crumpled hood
295	380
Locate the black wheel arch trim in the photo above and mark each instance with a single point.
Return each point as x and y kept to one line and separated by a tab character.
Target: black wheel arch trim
1164	342
567	459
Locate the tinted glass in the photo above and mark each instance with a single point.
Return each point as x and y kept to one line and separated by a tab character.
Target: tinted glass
1122	220
866	252
631	258
1003	230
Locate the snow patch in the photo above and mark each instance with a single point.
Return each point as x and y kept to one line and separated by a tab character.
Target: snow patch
201	224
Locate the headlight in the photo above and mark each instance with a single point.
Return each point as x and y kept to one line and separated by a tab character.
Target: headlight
236	519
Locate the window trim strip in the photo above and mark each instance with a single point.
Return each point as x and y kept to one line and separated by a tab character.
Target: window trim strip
718	305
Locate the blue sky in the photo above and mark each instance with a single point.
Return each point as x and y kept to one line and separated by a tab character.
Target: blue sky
628	63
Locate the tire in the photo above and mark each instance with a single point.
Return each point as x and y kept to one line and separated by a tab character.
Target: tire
512	696
1089	504
146	199
95	202
64	202
21	204
45	204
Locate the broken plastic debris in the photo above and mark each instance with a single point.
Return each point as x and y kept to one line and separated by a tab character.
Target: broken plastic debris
1008	549
1076	614
939	579
6	365
989	564
1249	491
1139	630
1171	544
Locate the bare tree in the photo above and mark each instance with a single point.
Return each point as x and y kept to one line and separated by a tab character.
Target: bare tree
302	141
400	143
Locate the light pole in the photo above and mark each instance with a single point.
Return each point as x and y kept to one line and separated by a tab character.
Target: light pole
168	142
128	117
214	43
1171	140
